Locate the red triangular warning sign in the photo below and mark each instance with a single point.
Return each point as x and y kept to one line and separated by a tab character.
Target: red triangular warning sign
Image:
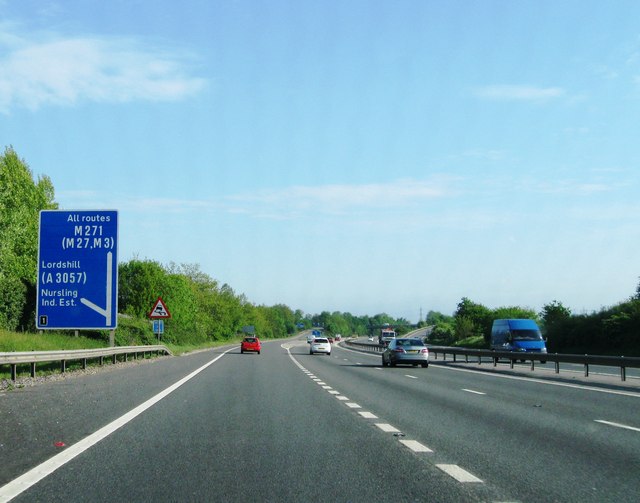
159	310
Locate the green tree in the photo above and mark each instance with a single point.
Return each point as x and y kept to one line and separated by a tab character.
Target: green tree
21	199
554	312
465	327
514	312
478	320
435	317
443	333
140	283
338	324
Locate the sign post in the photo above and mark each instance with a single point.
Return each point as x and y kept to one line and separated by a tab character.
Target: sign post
158	328
158	314
77	270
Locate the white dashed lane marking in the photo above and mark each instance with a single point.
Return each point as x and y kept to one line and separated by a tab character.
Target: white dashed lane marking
454	471
458	473
473	391
387	428
415	446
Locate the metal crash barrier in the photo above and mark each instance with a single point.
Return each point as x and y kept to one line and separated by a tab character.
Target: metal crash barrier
33	357
557	358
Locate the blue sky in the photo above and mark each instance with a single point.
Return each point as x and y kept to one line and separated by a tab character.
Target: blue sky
355	156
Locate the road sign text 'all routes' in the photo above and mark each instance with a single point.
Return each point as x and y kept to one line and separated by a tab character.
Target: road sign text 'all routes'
77	270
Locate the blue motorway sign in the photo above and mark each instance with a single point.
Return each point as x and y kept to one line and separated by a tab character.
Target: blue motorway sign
77	270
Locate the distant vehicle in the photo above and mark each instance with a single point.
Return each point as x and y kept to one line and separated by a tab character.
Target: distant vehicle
330	339
338	337
411	351
310	338
320	345
251	345
519	335
386	336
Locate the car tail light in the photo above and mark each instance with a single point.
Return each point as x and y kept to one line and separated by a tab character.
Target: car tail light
399	350
425	351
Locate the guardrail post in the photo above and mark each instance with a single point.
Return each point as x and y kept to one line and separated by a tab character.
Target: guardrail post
14	371
557	365
115	359
33	370
479	360
84	364
101	360
533	364
466	358
63	366
454	357
512	362
125	357
586	370
623	373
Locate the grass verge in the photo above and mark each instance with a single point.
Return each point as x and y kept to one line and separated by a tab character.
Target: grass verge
51	341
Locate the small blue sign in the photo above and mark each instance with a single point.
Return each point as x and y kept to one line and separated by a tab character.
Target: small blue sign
158	326
77	270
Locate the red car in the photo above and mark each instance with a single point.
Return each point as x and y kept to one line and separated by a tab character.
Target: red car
251	344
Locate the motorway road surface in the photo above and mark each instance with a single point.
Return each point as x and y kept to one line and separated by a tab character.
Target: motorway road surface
287	426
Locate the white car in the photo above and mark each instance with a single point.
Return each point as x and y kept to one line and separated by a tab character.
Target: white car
320	345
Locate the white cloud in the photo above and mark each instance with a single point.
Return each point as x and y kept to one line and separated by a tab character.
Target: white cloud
336	199
518	93
90	199
65	71
282	203
575	188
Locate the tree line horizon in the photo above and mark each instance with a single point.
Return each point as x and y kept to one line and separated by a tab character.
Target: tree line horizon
204	311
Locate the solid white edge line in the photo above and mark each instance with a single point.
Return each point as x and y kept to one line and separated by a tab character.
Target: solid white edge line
458	473
617	425
35	475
